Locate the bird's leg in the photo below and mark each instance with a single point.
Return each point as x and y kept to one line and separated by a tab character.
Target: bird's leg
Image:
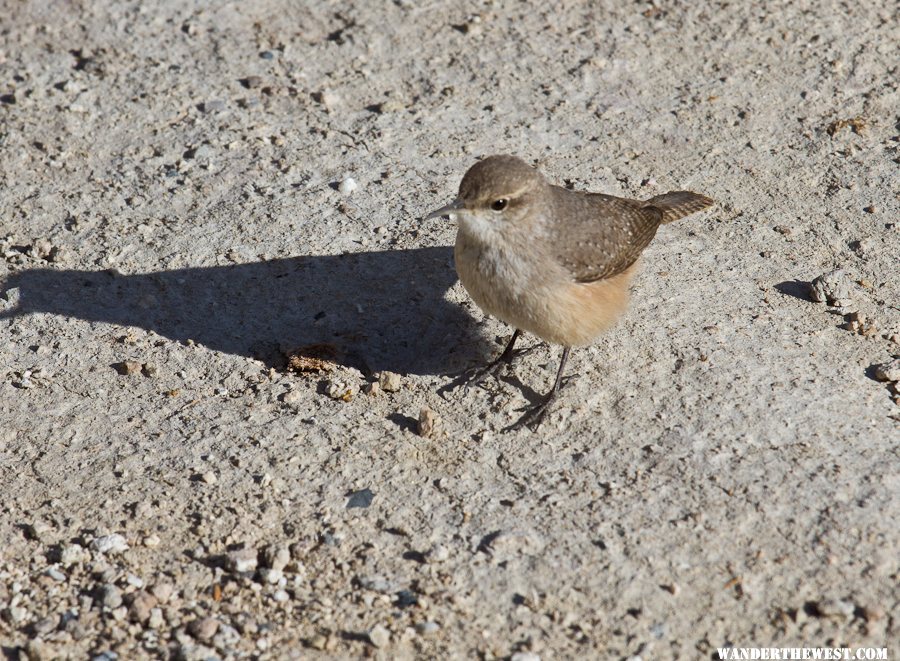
535	415
504	358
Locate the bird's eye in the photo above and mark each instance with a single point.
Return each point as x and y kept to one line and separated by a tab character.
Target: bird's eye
499	205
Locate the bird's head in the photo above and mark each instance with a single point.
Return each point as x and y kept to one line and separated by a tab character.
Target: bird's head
497	193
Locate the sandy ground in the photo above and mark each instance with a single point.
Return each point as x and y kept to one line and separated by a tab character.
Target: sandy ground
722	470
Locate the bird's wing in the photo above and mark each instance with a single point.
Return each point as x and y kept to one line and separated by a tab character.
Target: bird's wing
599	236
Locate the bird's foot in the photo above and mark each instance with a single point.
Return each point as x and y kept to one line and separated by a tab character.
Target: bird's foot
534	416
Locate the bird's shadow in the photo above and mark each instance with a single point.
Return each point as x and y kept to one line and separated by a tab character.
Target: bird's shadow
379	310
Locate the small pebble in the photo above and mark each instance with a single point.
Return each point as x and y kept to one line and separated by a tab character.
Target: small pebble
163	591
327	98
525	656
188	651
292	397
142	605
872	613
110	544
376	584
58	254
425	628
17	614
348	185
214	106
38	650
243	560
428	422
227	636
835	608
389	381
271	576
379	636
41	248
832	287
277	556
439	553
151	541
156	620
55	574
372	389
11	298
318	642
209	477
339	390
889	371
46	625
75	629
37	531
128	367
360	499
110	596
281	596
105	656
203	629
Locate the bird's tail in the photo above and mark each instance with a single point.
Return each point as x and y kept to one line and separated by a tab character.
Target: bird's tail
679	204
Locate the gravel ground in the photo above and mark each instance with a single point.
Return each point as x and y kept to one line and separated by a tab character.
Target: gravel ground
182	248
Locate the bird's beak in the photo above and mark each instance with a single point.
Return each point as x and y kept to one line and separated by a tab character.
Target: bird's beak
447	210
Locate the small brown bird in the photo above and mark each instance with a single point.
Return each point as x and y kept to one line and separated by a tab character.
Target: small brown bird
550	261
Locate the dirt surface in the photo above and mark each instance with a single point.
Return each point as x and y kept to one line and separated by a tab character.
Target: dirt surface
174	218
